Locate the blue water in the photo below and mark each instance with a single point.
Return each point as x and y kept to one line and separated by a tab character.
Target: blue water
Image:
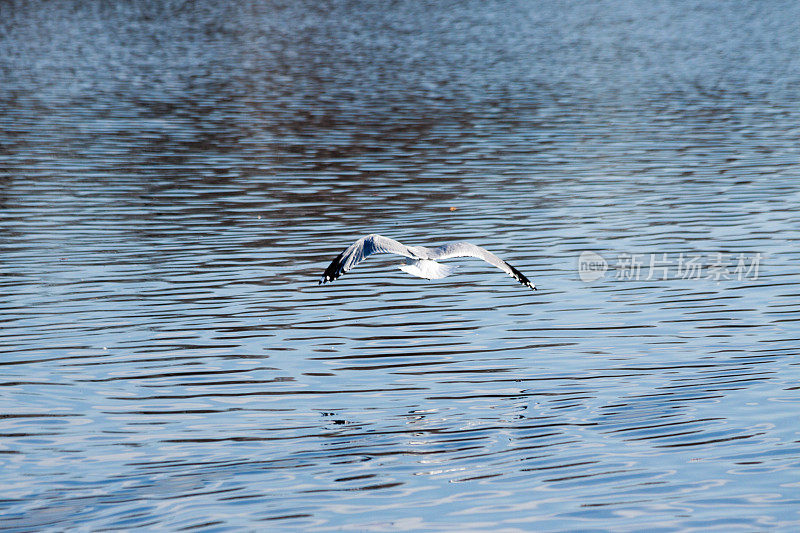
174	179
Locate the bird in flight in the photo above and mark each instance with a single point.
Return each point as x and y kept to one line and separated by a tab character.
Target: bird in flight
420	262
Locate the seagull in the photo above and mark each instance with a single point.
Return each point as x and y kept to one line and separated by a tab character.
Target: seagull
420	262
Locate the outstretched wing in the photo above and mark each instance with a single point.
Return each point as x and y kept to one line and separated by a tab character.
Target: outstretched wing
360	250
465	249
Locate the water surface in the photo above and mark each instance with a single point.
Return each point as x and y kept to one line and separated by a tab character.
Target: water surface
175	178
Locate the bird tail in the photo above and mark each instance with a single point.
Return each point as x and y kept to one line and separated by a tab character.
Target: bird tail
425	268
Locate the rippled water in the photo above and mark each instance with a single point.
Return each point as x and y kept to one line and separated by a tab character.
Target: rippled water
174	178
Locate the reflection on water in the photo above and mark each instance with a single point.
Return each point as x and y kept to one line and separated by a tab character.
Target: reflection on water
174	179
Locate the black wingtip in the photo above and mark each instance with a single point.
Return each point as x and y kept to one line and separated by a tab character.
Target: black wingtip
332	272
519	276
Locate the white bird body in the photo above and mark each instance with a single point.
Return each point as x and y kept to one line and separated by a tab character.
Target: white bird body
426	268
421	262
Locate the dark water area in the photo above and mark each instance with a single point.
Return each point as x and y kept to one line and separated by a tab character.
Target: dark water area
175	177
